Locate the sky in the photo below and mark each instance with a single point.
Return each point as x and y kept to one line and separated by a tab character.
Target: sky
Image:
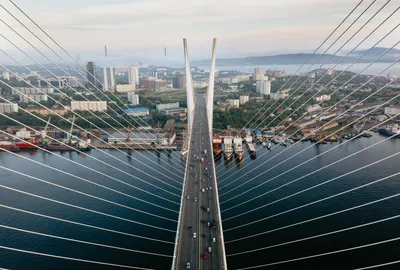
138	30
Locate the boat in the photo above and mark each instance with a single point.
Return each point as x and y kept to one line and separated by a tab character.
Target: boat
217	141
6	145
366	135
238	148
265	143
282	142
392	130
228	151
24	145
269	146
251	149
290	141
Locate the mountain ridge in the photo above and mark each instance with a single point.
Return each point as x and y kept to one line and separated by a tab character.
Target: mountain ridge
300	58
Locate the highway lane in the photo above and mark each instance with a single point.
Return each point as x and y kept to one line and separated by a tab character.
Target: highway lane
192	249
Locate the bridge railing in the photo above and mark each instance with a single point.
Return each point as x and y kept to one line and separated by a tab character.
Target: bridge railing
182	196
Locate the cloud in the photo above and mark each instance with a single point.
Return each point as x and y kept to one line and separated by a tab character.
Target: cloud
143	27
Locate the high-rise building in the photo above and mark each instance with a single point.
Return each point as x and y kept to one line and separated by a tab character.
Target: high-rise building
6	75
133	98
156	75
243	99
8	108
121	88
94	106
133	75
154	84
258	74
263	87
108	79
179	82
91	73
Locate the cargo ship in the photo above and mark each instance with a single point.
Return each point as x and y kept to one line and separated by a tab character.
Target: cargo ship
217	141
228	151
56	146
238	149
5	145
389	131
27	145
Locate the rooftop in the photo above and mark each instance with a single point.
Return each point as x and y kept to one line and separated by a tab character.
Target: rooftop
133	110
134	135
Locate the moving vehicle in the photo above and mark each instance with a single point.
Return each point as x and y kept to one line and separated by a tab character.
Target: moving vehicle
209	249
214	240
205	256
187	197
202	161
208	210
188	265
202	190
194	235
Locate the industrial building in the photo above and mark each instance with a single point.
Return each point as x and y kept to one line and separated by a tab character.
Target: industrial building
141	111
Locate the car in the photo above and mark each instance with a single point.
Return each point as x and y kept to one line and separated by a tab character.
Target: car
195	199
214	240
209	249
188	265
206	188
202	190
205	256
194	235
187	197
190	228
210	188
208	210
208	224
203	236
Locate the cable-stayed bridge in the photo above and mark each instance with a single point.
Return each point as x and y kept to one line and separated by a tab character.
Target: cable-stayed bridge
156	205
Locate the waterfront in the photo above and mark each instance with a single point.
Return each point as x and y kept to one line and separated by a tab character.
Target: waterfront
348	260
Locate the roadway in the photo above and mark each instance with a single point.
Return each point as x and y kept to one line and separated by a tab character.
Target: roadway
199	209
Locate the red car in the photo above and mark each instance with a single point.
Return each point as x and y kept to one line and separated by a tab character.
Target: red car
202	160
205	256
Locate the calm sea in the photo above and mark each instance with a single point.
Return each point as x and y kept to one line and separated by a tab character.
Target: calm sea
348	260
374	69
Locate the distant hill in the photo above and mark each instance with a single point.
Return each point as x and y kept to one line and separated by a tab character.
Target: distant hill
300	58
376	52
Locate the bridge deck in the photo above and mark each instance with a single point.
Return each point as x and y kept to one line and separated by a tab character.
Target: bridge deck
195	218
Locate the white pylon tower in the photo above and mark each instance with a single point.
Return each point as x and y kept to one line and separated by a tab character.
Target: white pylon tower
189	91
210	89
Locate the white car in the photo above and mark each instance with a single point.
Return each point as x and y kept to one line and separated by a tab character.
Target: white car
188	265
187	198
195	199
214	240
194	235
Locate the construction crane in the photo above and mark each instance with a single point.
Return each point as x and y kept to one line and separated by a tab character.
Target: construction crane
44	132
